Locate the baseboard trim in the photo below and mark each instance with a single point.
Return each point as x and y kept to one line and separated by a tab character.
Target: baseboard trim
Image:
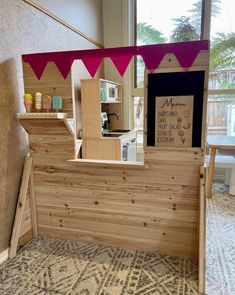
4	256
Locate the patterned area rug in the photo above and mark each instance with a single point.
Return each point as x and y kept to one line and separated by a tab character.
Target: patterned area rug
221	243
50	266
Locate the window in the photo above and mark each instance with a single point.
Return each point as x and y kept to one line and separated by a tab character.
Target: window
181	20
221	100
221	115
158	24
172	21
222	62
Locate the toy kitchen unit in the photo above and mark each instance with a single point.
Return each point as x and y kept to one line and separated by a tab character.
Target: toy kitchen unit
102	119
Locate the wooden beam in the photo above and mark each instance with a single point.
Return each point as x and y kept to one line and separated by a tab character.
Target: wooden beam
33	205
20	207
202	233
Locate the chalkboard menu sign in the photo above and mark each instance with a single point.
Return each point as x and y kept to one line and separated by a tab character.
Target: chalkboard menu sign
174	120
170	85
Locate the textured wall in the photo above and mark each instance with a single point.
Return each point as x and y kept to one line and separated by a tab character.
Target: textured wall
23	30
76	13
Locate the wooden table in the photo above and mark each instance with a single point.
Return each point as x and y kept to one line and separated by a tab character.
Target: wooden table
213	143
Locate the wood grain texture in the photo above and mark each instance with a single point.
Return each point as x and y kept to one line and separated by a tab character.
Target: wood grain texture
149	208
26	224
91	108
101	148
202	233
152	207
32	205
24	239
114	239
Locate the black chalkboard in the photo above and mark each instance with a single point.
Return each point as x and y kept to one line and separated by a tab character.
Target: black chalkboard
173	84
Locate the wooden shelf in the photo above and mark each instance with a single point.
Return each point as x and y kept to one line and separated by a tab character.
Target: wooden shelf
42	115
46	123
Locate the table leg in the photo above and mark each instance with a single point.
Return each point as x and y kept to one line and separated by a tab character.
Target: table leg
211	172
232	183
227	176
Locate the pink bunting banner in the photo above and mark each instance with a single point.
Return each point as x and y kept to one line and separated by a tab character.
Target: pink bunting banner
92	64
185	52
151	57
186	57
63	62
38	65
121	63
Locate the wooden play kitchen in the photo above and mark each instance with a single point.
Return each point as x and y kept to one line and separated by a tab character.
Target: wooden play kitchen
104	138
83	188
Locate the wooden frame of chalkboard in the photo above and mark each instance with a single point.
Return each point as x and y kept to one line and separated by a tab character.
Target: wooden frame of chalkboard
190	83
170	67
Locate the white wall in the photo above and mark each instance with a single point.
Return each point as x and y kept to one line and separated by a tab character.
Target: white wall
78	13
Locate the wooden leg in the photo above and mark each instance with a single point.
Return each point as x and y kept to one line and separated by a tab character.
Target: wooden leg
211	172
33	205
20	207
202	233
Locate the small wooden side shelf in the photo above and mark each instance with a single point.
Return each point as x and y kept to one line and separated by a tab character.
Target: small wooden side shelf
45	123
42	115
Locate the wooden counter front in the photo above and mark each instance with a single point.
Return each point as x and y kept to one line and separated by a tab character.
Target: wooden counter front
151	207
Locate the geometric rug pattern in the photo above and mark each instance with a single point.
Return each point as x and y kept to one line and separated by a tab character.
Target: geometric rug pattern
51	266
220	275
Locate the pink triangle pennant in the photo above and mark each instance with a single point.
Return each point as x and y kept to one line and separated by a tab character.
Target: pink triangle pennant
121	62
152	57
38	65
92	64
186	57
64	64
186	52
